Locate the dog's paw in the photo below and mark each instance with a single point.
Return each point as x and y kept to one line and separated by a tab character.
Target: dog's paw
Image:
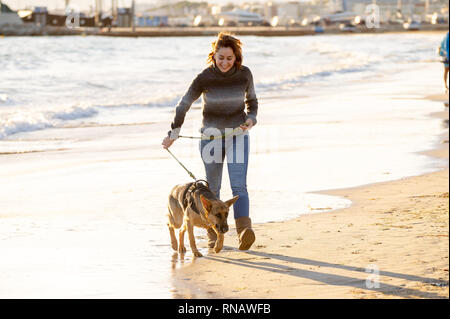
175	246
211	244
181	249
197	254
217	248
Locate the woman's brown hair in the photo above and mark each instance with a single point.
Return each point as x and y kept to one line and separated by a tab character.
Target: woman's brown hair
226	40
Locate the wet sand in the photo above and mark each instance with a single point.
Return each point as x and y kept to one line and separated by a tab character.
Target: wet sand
391	243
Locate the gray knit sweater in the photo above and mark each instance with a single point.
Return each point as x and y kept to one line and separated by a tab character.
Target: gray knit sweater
225	96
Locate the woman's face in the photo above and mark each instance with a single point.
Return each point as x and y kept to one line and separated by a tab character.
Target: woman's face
224	58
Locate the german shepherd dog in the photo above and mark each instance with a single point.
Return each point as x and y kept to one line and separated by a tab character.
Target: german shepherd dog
194	204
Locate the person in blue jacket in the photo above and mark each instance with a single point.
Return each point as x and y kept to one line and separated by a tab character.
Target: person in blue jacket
444	53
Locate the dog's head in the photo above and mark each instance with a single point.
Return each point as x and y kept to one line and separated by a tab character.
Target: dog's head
217	211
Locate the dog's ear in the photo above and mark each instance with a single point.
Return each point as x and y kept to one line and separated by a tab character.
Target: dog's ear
206	203
232	201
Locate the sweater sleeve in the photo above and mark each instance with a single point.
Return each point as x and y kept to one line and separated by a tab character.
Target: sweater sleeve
250	99
184	104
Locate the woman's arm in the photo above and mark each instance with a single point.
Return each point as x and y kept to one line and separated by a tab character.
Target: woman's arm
250	100
192	94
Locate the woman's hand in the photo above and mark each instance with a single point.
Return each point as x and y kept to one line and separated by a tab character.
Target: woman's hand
167	142
248	125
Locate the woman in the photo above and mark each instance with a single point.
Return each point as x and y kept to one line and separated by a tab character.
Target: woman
229	102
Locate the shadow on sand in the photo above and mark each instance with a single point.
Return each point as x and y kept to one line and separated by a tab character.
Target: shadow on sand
331	279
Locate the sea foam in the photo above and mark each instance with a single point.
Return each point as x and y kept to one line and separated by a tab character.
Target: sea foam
19	122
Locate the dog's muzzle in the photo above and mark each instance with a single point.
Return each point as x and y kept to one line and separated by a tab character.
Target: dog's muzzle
222	228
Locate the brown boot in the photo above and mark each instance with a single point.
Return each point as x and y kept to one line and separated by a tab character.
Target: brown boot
212	237
245	232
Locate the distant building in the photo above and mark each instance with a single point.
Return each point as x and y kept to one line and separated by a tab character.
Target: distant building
181	9
8	16
124	17
240	17
284	13
254	7
180	21
180	14
389	8
40	15
146	20
270	10
288	12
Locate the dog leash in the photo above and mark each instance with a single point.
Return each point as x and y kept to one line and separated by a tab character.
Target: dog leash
199	137
188	171
213	137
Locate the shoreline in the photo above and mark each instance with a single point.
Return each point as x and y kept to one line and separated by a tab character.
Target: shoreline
257	31
33	30
395	232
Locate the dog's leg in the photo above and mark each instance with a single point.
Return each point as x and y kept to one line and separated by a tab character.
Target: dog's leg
219	242
181	248
173	238
190	229
171	224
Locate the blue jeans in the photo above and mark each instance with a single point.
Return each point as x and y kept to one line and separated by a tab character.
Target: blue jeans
236	149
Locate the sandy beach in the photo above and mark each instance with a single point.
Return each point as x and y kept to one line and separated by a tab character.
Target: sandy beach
391	243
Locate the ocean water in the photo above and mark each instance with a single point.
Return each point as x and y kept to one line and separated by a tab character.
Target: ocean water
52	82
84	181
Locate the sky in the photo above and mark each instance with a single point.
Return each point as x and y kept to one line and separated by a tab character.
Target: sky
85	4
